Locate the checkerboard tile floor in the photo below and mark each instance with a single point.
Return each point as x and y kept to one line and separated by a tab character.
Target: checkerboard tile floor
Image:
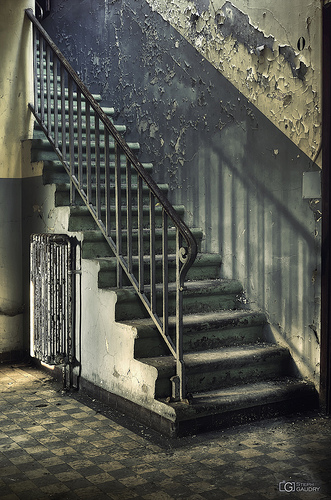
54	446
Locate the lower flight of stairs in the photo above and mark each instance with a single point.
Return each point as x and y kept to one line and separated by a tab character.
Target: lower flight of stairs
233	375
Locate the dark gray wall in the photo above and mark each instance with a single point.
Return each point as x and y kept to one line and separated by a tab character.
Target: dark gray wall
239	177
11	301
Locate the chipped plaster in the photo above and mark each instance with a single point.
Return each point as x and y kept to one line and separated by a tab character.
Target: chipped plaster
254	44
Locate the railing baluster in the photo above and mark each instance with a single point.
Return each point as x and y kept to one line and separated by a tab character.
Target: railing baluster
107	184
97	168
165	272
63	115
35	69
118	211
179	392
140	234
48	90
79	138
152	250
88	153
42	82
129	214
71	140
56	103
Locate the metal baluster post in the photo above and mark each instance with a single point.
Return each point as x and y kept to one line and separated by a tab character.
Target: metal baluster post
152	250
129	214
42	82
79	138
107	183
165	272
56	103
118	210
71	140
140	235
97	168
48	90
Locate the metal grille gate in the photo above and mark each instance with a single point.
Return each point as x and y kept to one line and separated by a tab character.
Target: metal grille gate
52	301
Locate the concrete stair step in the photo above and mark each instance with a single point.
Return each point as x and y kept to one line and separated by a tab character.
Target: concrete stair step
225	367
205	267
110	111
201	332
41	149
62	194
245	403
199	296
204	323
54	173
39	134
94	245
80	217
97	97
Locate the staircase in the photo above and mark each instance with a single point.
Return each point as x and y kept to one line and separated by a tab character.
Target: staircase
233	374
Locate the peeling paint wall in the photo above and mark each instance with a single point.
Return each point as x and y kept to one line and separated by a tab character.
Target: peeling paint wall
237	169
270	51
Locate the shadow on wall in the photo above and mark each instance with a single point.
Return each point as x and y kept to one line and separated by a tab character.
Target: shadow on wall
267	234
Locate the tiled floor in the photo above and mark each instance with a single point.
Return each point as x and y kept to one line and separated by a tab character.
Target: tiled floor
55	446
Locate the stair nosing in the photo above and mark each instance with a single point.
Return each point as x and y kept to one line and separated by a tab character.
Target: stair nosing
242	352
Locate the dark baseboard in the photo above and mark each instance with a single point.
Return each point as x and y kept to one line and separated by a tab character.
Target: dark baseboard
13	356
132	410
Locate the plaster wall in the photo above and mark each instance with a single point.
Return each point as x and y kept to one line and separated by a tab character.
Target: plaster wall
15	125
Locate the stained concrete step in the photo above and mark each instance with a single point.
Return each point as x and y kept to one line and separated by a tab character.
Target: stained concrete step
205	267
241	404
94	244
80	217
199	296
97	97
39	134
41	149
201	332
225	367
54	173
106	109
62	194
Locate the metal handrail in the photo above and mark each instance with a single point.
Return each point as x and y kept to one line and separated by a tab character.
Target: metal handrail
84	165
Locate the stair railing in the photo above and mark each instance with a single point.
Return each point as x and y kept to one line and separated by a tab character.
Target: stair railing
91	149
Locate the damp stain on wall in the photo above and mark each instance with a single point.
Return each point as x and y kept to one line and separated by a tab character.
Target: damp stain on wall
280	77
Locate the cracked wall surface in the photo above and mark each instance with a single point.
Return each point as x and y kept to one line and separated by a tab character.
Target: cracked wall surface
270	51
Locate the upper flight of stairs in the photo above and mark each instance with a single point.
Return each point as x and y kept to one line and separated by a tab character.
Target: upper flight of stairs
233	374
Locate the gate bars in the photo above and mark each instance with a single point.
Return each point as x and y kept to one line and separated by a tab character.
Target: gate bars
110	180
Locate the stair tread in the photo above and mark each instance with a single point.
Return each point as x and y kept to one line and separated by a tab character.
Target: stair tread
43	143
224	354
171	257
58	164
206	318
210	290
95	235
110	261
216	284
83	210
242	396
